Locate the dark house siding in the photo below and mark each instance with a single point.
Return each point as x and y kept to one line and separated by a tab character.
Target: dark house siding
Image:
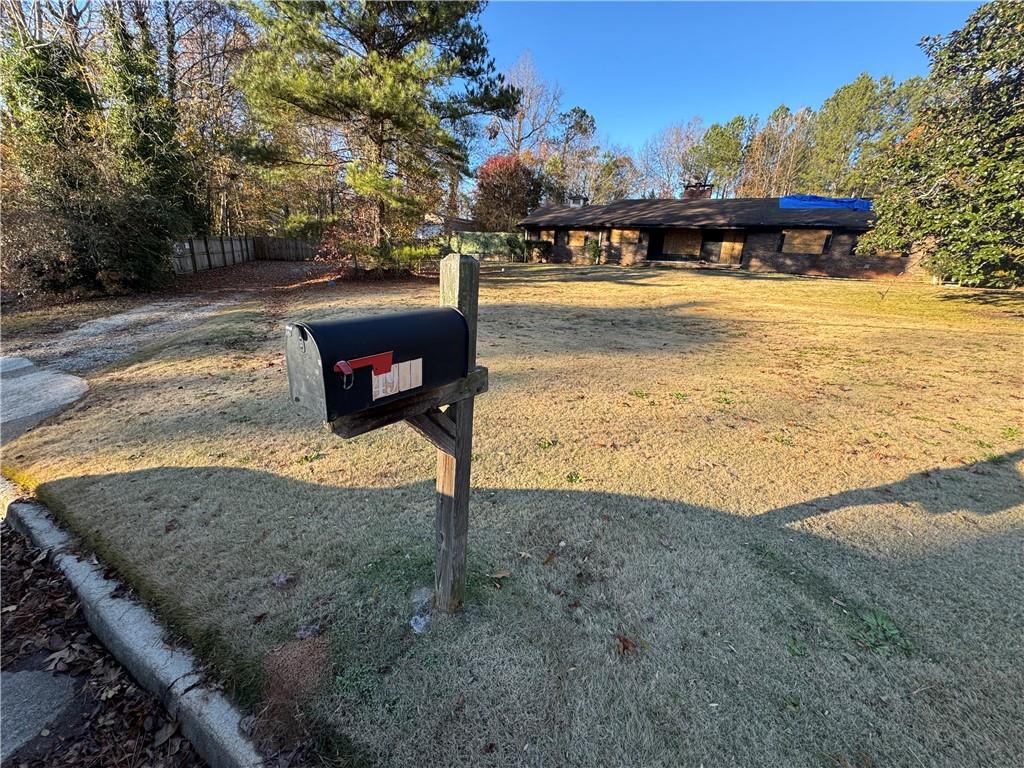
746	234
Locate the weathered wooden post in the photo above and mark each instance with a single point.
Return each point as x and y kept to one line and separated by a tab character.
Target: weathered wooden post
361	374
460	288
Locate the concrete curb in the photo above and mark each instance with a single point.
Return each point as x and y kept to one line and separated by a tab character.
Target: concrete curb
132	635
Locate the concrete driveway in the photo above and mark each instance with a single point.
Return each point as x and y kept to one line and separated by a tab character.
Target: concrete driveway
42	378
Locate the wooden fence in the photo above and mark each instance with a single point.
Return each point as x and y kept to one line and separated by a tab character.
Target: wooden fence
200	253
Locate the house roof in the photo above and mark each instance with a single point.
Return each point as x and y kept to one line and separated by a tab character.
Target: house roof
732	213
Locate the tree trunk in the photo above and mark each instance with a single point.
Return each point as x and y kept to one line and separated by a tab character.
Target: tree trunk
170	50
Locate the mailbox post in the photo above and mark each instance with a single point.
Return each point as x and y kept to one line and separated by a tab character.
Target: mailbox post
460	287
415	364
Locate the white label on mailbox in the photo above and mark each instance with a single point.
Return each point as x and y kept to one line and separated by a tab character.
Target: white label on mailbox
402	376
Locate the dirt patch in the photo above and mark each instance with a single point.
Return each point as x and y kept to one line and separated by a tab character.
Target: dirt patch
293	672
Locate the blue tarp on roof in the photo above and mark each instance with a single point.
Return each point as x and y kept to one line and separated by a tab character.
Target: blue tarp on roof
814	201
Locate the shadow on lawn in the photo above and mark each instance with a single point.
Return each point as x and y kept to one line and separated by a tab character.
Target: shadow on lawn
521	275
357	553
937	491
1005	303
544	328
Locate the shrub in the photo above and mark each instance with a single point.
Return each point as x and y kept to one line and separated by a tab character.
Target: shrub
537	250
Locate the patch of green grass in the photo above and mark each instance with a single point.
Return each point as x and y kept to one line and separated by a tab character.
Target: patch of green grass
545	443
682	397
574	476
356	681
961	427
309	458
1009	433
782	439
796	648
640	393
723	399
879	633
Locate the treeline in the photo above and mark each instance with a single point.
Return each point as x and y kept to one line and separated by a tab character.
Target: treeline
942	156
132	123
546	153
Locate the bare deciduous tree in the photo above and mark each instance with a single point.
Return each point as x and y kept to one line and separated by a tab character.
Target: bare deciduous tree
670	160
528	130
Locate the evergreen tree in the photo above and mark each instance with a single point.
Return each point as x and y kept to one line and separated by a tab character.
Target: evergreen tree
721	150
395	77
141	129
847	120
955	185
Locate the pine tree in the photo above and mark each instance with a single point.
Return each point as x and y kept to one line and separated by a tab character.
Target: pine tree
394	77
847	120
721	150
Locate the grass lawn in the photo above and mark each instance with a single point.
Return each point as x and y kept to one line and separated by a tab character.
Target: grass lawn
746	520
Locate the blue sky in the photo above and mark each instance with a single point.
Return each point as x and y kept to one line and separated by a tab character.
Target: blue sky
638	67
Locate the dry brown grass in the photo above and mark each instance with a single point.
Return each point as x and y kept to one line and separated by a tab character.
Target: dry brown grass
799	500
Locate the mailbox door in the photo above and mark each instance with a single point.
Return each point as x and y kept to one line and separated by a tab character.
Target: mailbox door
388	356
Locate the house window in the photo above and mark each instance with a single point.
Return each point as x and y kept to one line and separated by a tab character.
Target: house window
807	242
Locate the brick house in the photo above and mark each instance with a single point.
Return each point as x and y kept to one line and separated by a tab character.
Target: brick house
742	233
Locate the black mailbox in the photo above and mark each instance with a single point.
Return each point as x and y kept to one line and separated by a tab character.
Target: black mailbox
338	367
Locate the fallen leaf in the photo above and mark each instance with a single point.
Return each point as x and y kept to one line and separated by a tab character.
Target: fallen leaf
172	525
489	747
499	575
550	558
259	617
626	645
165	733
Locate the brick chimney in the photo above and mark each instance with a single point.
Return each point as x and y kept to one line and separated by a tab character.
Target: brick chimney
697	191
